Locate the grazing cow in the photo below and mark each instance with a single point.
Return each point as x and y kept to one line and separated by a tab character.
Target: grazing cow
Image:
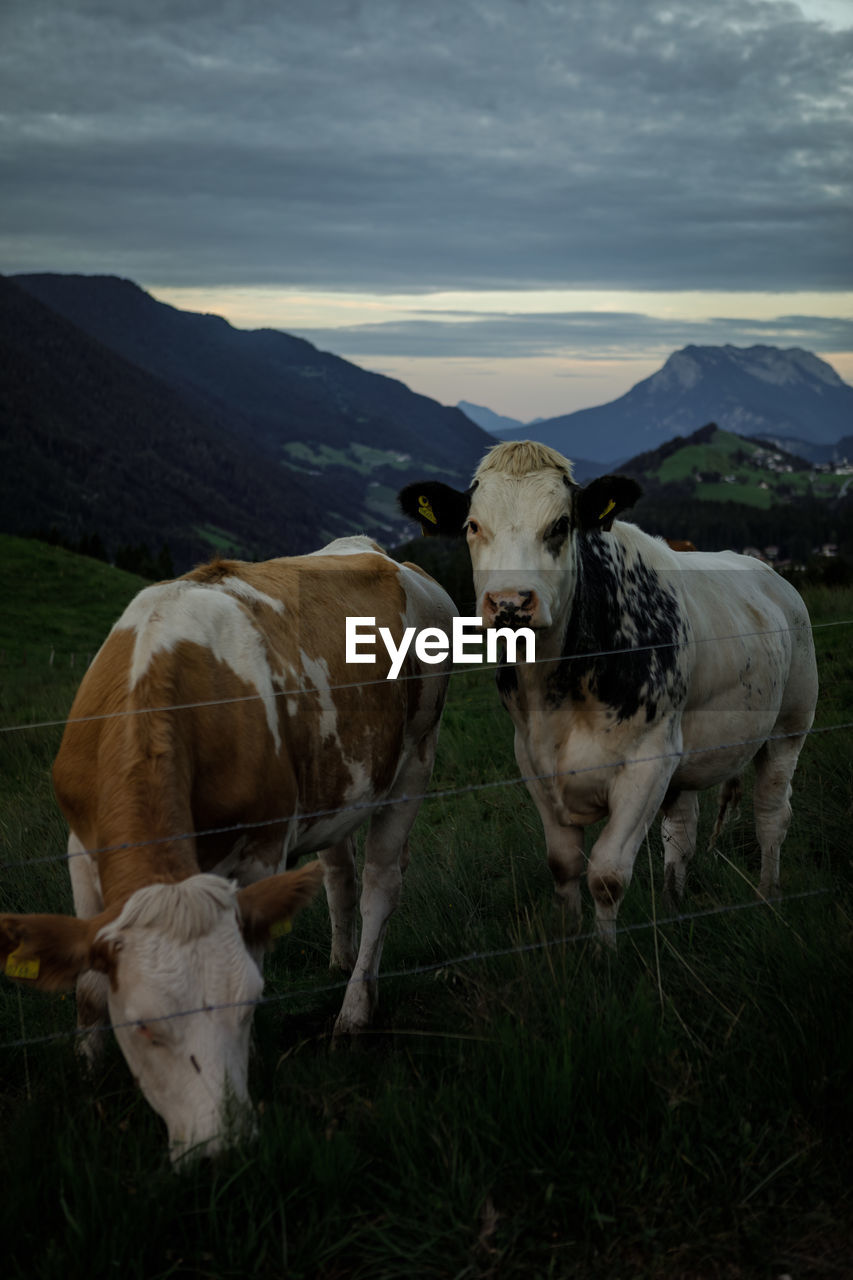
218	733
718	667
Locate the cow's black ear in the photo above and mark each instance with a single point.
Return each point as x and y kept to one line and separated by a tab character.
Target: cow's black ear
438	509
604	499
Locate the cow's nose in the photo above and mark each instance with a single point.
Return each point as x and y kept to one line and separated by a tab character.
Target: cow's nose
509	604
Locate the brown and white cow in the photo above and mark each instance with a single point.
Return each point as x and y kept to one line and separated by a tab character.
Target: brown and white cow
698	664
218	735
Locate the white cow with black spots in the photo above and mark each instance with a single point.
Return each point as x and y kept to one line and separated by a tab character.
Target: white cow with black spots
702	662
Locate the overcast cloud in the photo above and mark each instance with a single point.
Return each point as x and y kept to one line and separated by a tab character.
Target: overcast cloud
389	146
582	334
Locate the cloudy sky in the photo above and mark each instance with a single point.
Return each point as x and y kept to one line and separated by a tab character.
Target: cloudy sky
524	203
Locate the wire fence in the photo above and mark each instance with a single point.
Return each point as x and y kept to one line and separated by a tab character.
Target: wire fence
442	793
366	806
405	798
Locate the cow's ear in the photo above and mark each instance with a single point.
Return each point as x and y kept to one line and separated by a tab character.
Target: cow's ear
267	908
438	509
599	504
48	952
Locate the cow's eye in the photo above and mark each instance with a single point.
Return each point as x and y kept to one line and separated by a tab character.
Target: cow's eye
473	527
558	530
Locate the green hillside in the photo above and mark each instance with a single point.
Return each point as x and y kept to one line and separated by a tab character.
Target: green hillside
719	466
56	600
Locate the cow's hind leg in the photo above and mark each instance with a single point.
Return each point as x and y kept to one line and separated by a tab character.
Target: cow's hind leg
92	987
678	833
341	884
729	798
774	768
386	856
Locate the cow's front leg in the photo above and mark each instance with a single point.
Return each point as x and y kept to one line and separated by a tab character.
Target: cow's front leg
635	796
385	859
341	884
386	856
565	846
92	988
564	842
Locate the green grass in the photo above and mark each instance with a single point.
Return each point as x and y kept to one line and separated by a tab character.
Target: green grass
54	599
220	540
715	456
746	492
682	1110
360	458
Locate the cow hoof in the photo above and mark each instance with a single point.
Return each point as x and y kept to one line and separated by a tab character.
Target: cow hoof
347	1030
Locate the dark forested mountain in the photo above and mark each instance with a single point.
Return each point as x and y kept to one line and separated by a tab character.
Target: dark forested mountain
311	410
756	391
91	444
127	418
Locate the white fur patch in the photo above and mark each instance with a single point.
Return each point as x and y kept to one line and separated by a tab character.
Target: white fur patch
317	671
237	587
182	911
171	612
356	545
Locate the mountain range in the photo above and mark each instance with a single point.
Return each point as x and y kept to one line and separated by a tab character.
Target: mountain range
131	420
497	424
124	416
790	396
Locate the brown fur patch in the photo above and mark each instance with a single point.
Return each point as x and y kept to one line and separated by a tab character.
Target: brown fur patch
276	899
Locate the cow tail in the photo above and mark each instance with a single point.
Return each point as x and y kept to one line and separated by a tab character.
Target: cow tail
729	797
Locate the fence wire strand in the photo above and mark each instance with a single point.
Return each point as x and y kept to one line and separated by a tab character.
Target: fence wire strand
434	966
367	806
445	793
423	675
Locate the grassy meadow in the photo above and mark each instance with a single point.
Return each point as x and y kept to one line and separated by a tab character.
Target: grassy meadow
524	1107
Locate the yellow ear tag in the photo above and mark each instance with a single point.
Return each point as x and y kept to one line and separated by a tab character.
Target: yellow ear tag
611	504
425	510
16	968
280	928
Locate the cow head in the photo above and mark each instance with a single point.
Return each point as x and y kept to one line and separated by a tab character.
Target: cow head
522	518
182	987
